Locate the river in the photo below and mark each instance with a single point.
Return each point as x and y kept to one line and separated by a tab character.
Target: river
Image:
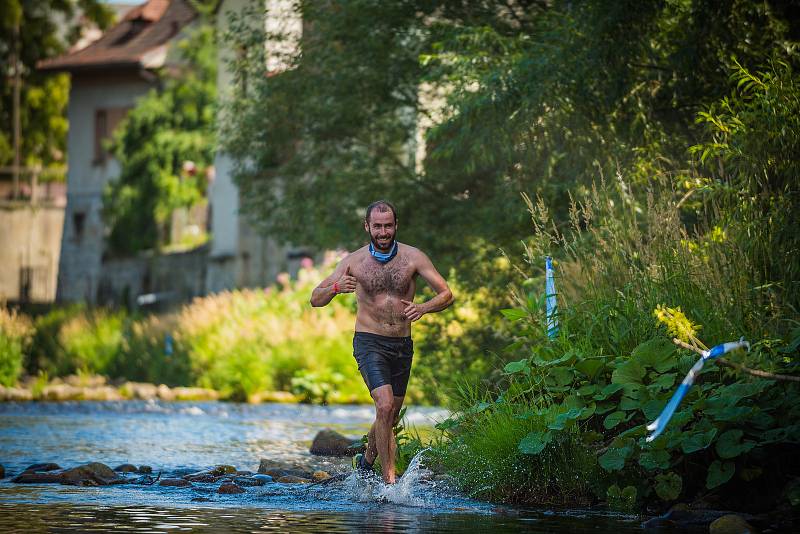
183	437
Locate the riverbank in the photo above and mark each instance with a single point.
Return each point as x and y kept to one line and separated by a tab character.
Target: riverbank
98	388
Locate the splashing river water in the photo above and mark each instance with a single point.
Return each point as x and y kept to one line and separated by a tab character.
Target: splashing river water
179	438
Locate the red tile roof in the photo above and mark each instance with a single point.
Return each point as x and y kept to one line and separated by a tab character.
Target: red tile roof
144	29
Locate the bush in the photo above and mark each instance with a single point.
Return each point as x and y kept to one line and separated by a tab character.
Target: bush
15	333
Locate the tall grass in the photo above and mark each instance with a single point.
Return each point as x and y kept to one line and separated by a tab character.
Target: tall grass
15	333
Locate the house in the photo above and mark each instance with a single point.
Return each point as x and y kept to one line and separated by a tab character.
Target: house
108	76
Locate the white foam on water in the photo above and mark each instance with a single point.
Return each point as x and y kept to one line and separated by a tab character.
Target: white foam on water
407	491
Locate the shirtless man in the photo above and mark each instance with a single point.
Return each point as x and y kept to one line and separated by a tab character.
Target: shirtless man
383	275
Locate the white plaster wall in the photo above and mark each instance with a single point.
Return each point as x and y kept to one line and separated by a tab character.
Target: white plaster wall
80	264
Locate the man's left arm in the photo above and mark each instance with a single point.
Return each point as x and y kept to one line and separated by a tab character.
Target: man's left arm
444	297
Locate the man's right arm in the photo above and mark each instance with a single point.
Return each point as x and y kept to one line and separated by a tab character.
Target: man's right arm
341	281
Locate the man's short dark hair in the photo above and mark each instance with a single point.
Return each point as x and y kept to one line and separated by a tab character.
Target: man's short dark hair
382	206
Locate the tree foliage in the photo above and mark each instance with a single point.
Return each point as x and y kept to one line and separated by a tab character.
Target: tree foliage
171	126
534	96
43	96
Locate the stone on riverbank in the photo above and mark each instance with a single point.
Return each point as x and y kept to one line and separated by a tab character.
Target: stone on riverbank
139	390
731	524
174	482
15	394
328	442
229	488
194	394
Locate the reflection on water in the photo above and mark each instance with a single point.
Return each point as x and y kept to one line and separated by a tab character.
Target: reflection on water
386	518
178	438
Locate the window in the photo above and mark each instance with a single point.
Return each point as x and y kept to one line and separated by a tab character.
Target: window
78	221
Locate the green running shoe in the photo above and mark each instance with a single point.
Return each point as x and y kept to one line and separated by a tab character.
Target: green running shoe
360	463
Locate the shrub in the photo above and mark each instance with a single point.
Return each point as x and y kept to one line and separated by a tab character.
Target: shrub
15	334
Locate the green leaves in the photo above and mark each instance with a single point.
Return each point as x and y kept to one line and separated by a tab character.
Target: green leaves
613	419
614	458
630	372
535	442
729	444
656	353
668	486
698	440
719	473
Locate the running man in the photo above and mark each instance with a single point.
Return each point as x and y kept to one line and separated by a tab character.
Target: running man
383	276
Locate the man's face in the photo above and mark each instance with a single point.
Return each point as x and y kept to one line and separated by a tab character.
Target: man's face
381	228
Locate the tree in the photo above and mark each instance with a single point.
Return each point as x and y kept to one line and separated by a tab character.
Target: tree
33	31
541	97
165	147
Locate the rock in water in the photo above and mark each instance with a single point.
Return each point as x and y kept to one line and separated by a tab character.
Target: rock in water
95	472
731	524
174	482
281	469
125	468
145	470
319	476
42	467
229	488
328	442
2	472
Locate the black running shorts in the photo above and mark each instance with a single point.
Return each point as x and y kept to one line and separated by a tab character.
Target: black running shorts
384	360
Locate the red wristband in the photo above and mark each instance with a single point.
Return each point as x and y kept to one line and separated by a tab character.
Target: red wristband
335	288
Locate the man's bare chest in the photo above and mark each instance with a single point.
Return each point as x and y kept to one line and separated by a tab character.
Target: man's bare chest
394	277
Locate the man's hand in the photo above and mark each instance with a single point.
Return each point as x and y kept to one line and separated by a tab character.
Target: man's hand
345	284
412	311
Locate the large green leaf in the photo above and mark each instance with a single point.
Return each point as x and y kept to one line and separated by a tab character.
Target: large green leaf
729	444
719	473
562	419
590	366
668	486
630	372
534	442
665	381
613	419
698	440
656	353
561	376
652	460
614	458
517	367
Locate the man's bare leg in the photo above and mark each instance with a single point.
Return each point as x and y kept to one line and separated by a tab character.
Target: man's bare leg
372	450
384	436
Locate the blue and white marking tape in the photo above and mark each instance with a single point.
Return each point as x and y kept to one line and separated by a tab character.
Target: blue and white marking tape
658	426
550	298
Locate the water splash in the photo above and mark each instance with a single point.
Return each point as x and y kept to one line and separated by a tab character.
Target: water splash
412	489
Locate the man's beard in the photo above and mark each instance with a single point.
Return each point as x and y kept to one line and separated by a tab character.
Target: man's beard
379	248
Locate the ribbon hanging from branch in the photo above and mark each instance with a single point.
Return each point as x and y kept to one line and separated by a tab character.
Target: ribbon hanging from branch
550	298
658	426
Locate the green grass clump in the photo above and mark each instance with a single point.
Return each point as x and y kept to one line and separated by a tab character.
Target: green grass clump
15	333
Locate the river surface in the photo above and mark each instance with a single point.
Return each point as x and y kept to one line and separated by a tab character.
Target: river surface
183	437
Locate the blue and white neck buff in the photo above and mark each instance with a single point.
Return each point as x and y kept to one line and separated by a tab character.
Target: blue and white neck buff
381	256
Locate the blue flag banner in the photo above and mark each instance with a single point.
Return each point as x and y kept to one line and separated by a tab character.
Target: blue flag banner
658	426
550	298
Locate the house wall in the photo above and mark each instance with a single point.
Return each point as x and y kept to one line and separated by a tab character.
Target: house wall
82	250
239	256
30	240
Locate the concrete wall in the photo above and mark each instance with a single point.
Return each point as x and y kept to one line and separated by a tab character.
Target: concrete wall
30	239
